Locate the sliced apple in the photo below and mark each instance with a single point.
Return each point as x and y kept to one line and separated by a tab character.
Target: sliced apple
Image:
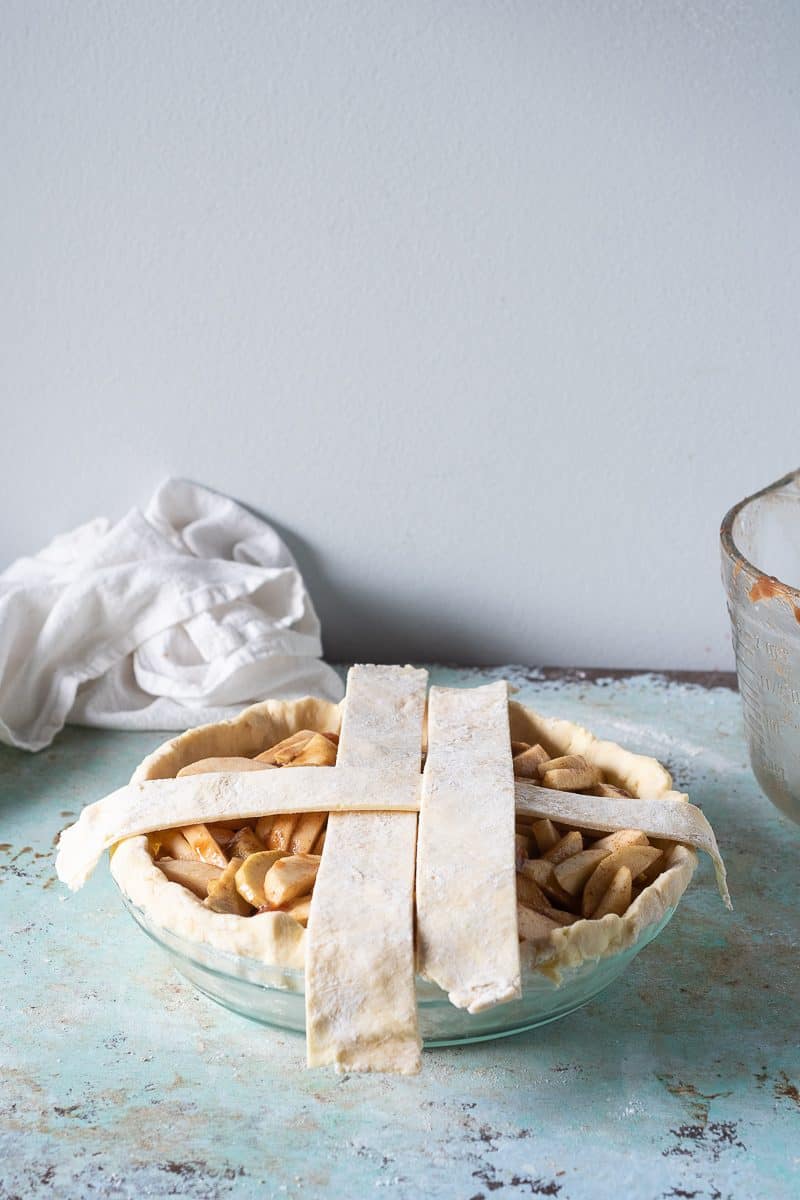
249	878
635	858
281	831
306	831
263	827
290	877
245	843
299	909
529	894
194	875
545	834
623	837
528	762
223	896
532	926
172	844
571	773
317	752
542	872
216	766
617	896
573	872
283	752
571	843
610	792
204	844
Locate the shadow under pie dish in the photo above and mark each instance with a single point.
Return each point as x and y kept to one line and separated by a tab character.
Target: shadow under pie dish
588	898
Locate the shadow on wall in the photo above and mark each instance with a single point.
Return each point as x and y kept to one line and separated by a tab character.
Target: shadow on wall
373	624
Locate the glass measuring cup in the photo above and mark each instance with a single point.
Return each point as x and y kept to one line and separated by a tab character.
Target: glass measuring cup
760	540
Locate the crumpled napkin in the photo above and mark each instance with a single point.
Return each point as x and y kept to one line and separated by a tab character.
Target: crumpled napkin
169	618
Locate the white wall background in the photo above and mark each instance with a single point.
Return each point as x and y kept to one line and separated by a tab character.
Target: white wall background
492	306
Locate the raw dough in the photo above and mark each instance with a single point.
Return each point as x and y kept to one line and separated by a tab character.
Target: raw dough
193	799
147	806
467	939
361	1003
674	820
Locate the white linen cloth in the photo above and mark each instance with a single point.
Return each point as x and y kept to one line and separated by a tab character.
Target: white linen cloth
169	618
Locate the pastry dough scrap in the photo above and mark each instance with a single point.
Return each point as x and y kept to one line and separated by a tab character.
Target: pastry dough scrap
467	940
361	1004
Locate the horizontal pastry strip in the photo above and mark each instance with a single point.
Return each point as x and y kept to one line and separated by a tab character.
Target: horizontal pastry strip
155	804
194	799
674	820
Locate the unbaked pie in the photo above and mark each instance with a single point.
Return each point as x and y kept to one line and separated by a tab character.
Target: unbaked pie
452	833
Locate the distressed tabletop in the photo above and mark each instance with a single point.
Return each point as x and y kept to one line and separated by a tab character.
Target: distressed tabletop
681	1080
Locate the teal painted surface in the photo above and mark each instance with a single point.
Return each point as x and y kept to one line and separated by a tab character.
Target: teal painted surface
681	1080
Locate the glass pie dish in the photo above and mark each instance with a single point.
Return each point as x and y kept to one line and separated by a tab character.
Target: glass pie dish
274	996
233	914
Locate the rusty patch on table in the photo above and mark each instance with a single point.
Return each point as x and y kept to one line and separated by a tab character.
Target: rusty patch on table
784	1089
535	1187
697	1102
705	1140
488	1174
195	1168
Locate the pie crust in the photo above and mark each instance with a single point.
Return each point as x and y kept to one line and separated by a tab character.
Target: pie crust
276	939
361	1006
466	850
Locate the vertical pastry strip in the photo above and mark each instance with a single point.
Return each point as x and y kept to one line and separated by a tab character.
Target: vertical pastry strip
361	1006
467	938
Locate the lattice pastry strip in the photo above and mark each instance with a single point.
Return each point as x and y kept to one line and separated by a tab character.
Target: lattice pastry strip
361	1005
467	938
